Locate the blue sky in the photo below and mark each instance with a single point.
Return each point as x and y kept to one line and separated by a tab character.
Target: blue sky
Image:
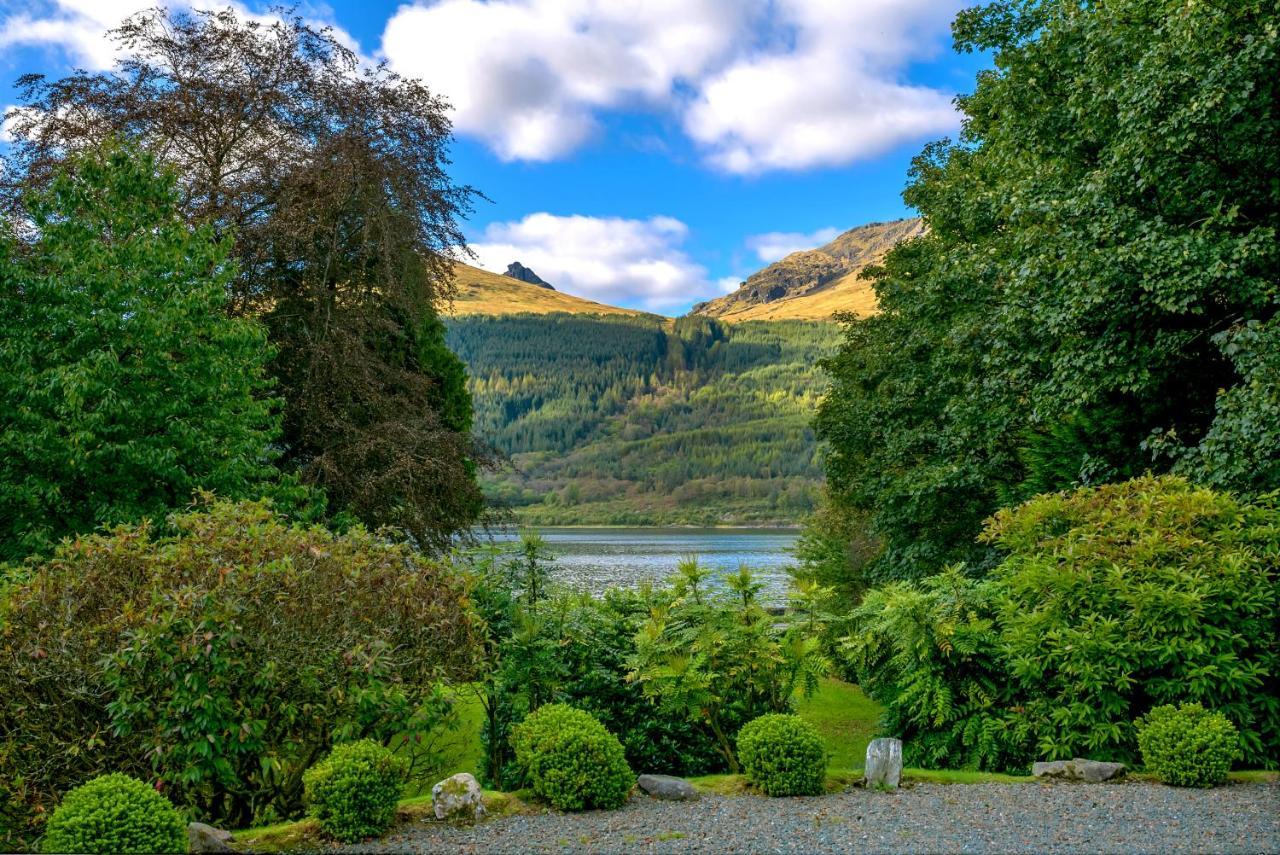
648	154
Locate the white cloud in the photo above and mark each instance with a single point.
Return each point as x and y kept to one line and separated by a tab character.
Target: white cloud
833	97
528	76
607	259
757	85
79	27
771	246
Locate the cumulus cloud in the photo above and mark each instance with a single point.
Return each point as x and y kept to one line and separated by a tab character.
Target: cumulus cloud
757	85
771	246
79	27
608	259
834	95
529	76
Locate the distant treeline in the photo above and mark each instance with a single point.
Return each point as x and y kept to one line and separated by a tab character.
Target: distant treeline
645	420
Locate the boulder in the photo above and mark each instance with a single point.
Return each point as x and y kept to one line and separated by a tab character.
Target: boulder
458	798
1079	769
884	763
667	787
206	838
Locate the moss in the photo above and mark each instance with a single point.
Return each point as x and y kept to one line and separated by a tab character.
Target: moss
281	837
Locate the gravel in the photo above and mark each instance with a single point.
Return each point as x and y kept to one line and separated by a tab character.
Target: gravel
1123	817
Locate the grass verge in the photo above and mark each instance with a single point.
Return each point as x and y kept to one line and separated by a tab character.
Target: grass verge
304	834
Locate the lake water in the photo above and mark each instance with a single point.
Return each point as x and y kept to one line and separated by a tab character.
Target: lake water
598	558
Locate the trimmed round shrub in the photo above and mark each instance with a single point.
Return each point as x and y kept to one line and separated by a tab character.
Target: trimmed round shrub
353	792
570	759
783	755
1188	745
115	813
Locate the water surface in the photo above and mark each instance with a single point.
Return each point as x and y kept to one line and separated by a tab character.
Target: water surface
595	559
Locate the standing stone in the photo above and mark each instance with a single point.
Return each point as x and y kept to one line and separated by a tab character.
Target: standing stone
458	797
884	763
667	787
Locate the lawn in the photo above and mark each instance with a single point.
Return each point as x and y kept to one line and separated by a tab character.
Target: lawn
845	717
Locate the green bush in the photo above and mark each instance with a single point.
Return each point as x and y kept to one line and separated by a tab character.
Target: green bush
1109	600
353	792
1117	598
783	755
1188	745
571	760
712	654
931	654
115	813
219	659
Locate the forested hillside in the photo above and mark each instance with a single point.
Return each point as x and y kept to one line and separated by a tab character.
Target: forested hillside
642	420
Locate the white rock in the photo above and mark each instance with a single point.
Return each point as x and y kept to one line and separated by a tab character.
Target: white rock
884	763
458	797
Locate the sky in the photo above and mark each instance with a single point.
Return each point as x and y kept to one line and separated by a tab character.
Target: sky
649	154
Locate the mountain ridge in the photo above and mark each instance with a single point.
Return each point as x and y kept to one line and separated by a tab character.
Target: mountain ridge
480	292
814	284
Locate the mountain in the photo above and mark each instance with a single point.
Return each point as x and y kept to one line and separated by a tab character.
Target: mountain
813	284
516	270
483	293
641	420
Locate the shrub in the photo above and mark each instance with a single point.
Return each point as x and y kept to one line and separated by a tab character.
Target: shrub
1188	746
1110	599
783	755
931	654
115	813
353	792
220	659
715	656
1153	591
571	760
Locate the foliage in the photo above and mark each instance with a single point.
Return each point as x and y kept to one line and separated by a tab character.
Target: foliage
931	654
1111	600
353	792
547	645
1132	595
571	760
716	657
1096	292
596	640
115	813
621	420
834	550
1187	745
519	654
125	386
330	182
783	755
223	659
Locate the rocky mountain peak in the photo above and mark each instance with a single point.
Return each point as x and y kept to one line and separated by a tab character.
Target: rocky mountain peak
516	270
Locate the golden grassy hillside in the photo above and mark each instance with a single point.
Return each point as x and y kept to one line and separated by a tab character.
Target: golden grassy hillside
483	293
814	284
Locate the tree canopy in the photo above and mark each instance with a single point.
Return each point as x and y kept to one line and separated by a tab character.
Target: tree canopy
1096	294
331	181
125	385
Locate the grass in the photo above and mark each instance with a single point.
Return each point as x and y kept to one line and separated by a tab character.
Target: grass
483	293
305	833
439	754
846	719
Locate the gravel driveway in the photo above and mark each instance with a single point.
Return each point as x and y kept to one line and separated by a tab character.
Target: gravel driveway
1126	817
